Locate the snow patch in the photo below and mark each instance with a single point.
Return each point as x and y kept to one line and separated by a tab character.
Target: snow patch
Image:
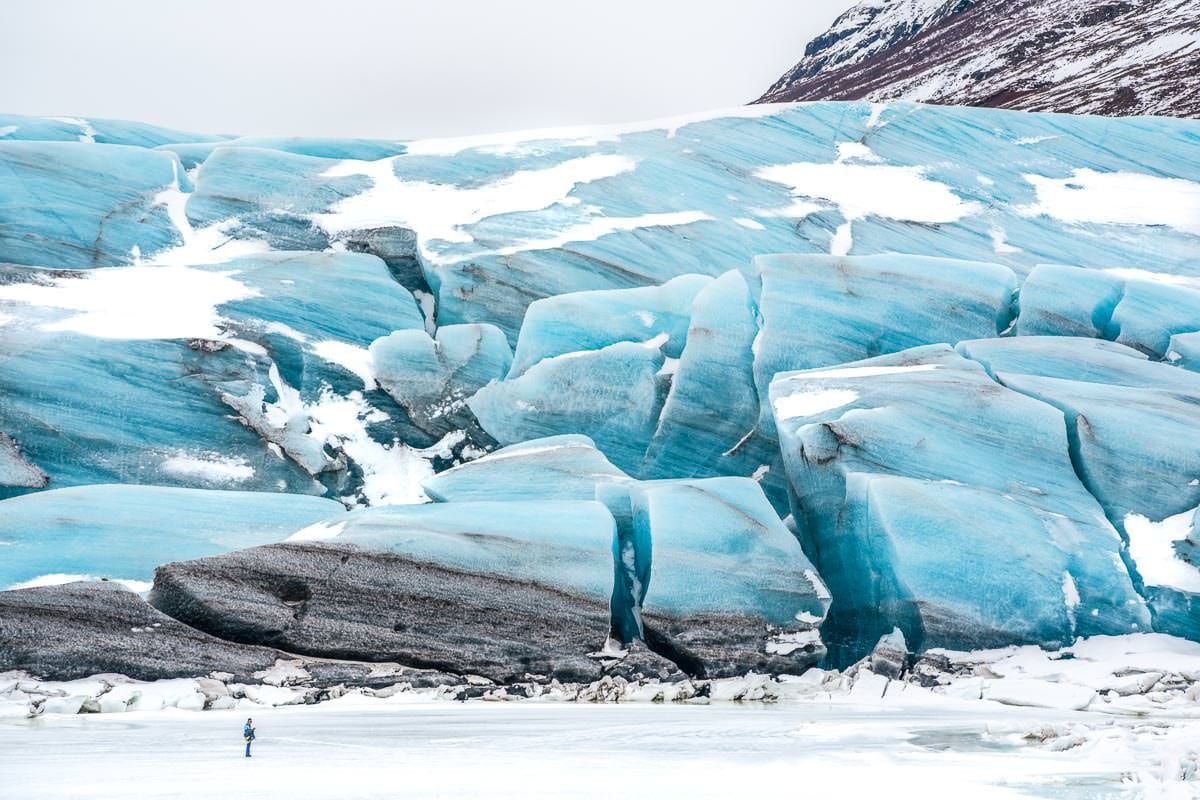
1118	198
808	403
317	532
136	302
1152	547
861	190
59	578
209	466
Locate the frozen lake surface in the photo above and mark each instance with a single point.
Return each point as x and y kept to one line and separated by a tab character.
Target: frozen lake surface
360	748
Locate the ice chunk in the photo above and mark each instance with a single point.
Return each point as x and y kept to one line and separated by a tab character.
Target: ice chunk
612	395
84	205
567	467
719	584
270	194
577	321
889	490
126	531
1184	351
707	426
15	469
433	377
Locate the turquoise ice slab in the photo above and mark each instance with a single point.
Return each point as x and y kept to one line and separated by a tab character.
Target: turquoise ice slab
612	395
576	321
566	467
1138	308
70	204
563	544
124	531
997	461
14	127
432	377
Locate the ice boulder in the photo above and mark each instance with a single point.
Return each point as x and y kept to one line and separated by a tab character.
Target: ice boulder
612	395
125	531
576	321
1131	422
492	589
78	205
566	467
718	584
1135	307
433	377
893	463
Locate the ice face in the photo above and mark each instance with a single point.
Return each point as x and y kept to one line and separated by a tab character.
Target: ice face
124	532
1184	351
1138	308
724	595
578	321
822	310
1121	410
70	204
707	425
861	440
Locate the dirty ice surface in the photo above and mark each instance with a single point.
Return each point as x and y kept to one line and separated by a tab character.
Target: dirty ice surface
355	748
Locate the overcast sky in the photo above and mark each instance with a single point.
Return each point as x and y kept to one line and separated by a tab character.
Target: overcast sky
400	69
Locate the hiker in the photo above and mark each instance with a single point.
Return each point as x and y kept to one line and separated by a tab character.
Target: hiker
248	735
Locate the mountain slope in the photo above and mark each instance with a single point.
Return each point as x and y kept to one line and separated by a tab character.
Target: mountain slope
1117	57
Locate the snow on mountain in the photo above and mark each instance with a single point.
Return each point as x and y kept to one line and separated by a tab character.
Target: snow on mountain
1117	57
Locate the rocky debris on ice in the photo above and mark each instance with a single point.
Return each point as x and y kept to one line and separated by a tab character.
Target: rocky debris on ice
1137	675
338	601
79	629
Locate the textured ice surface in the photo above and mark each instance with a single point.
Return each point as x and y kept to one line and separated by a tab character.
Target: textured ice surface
894	462
503	223
124	532
823	310
1131	422
14	127
69	204
578	321
1184	350
1138	308
566	467
431	377
563	544
139	374
707	425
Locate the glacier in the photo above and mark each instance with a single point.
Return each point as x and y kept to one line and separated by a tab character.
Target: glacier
784	379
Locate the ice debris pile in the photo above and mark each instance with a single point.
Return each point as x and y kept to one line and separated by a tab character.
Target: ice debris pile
743	392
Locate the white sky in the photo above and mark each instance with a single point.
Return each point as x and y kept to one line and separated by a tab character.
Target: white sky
402	69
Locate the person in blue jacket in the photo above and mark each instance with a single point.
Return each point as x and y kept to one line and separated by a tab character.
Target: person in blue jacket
248	735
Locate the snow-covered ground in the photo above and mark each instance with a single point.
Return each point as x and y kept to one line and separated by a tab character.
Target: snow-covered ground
355	747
